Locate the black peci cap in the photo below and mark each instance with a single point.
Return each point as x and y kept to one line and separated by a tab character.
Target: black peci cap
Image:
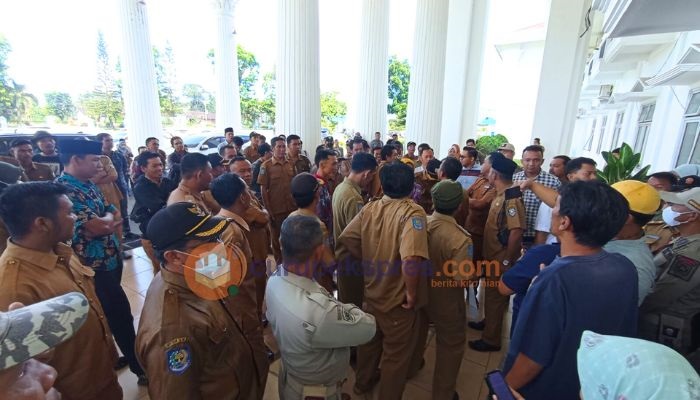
182	221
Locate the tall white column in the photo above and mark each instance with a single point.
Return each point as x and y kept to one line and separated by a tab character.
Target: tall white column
141	103
228	97
298	106
466	41
563	65
374	68
425	91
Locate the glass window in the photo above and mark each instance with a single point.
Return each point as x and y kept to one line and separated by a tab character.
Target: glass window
603	124
618	128
690	139
693	105
589	142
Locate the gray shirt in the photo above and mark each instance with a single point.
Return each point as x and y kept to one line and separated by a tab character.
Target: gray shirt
639	254
314	331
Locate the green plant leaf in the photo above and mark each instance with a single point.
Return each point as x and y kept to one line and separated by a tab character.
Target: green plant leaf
607	156
642	174
602	176
626	154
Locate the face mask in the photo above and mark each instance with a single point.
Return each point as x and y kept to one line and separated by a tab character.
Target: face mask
669	216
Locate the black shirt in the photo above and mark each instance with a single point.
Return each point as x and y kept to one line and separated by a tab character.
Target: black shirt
52	161
149	199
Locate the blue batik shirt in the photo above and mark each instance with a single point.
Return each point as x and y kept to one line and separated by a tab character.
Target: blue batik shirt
99	253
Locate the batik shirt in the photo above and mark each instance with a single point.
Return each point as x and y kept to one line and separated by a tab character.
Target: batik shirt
324	209
99	253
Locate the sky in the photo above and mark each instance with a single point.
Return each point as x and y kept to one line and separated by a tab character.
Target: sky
55	49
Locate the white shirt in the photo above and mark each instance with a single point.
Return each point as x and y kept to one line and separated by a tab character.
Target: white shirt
543	223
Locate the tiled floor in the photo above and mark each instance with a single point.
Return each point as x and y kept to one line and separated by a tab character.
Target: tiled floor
470	383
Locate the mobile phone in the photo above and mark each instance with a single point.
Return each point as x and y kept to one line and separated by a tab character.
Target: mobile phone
498	386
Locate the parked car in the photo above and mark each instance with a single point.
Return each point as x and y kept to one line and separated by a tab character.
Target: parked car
207	144
6	139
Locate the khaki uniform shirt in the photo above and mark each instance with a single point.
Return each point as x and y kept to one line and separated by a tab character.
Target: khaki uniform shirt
657	234
110	190
422	196
301	164
479	190
211	203
384	233
375	188
251	153
314	331
449	245
462	212
347	203
677	291
503	215
192	348
35	172
328	257
183	193
258	221
245	304
85	363
275	178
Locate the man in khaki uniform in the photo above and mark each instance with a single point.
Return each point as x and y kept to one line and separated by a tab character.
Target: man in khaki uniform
275	179
9	174
450	168
258	221
231	192
390	236
450	249
387	155
23	152
37	266
502	244
425	179
251	152
668	311
306	190
301	162
196	177
347	203
314	331
188	340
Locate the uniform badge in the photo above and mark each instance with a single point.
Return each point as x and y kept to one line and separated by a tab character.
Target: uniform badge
417	223
178	358
511	212
683	267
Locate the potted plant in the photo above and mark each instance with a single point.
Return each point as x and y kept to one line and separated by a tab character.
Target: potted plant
621	167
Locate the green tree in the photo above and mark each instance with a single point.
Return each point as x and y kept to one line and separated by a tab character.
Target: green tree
488	144
21	103
248	71
332	110
104	104
196	96
5	84
399	78
60	104
165	80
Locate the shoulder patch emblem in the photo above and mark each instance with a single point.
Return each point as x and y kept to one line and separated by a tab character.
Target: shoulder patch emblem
512	212
417	223
683	267
178	358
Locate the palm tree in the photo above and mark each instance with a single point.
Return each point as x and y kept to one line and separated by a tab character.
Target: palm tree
20	102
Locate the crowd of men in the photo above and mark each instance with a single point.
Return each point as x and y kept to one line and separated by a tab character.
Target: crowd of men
372	244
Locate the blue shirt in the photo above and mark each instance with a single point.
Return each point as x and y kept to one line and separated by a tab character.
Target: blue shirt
596	293
637	251
99	253
519	277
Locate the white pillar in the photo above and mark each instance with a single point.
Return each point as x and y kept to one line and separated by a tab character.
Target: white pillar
141	103
228	98
372	92
424	114
298	106
466	41
563	64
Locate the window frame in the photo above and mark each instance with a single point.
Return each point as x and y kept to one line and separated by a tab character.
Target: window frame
690	117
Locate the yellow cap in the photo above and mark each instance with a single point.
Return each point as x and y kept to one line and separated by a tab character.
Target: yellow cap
642	197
